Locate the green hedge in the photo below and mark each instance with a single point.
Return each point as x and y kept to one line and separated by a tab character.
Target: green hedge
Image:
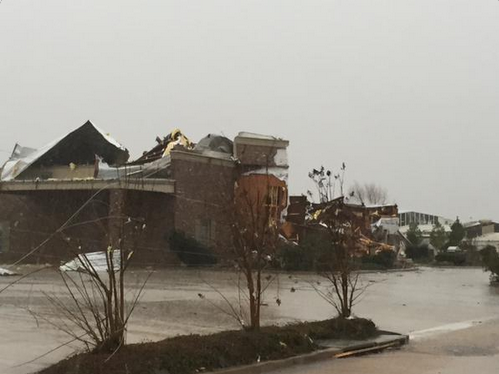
456	258
190	251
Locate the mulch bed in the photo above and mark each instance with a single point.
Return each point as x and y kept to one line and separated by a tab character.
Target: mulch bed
190	354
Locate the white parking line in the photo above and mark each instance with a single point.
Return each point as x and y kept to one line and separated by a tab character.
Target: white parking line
423	334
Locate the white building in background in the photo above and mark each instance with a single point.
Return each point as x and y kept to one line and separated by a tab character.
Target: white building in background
406	217
426	230
425	222
482	241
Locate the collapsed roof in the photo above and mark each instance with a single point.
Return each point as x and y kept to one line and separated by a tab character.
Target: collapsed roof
215	143
80	147
88	153
158	157
163	147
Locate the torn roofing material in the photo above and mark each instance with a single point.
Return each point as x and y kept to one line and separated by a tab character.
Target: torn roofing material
390	224
95	261
278	172
158	158
21	152
5	272
163	148
80	146
252	135
215	143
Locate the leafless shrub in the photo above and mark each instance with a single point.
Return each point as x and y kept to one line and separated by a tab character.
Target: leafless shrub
337	222
97	312
326	182
238	308
342	229
255	219
234	309
256	224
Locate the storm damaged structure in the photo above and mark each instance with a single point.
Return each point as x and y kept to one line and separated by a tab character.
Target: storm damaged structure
378	224
69	189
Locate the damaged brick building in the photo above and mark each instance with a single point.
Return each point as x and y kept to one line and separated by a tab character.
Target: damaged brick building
378	224
70	189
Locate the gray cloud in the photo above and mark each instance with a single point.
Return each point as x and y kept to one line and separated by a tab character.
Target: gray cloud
405	92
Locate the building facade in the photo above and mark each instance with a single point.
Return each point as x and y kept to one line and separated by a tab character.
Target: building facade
66	197
408	217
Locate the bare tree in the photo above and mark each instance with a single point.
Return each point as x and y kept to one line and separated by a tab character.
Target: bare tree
97	312
342	228
254	217
369	193
326	182
256	225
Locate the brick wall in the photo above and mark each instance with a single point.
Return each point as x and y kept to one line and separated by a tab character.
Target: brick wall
256	155
204	199
33	218
155	210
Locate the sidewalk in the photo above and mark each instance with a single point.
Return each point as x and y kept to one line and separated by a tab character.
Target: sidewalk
331	349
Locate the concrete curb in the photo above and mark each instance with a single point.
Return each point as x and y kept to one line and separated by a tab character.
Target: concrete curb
321	355
403	270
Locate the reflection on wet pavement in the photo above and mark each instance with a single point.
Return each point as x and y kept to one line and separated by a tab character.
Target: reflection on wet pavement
405	302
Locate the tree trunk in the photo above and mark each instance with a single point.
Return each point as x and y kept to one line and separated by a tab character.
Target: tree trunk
345	307
253	301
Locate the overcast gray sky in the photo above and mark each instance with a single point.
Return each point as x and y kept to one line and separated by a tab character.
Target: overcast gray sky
406	92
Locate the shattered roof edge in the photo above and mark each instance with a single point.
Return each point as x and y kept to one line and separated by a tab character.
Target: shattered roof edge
229	159
246	138
10	174
254	135
106	136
